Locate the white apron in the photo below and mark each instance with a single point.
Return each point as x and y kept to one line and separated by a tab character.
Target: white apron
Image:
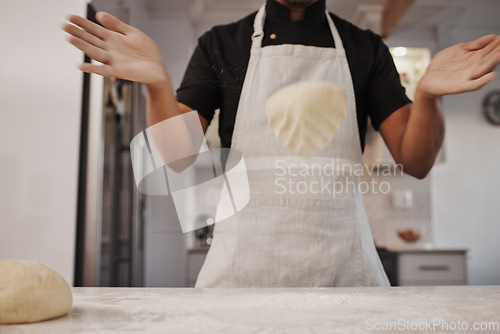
294	232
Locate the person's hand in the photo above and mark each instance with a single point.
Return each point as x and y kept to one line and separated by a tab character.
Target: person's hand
124	51
462	68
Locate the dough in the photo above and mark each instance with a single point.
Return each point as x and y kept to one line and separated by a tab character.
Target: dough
304	116
30	292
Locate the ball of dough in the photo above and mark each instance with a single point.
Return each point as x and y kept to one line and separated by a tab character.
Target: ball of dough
305	116
30	292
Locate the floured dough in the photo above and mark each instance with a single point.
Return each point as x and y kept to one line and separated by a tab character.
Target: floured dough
304	116
30	292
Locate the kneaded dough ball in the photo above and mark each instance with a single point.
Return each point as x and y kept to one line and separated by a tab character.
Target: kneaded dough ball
305	116
30	292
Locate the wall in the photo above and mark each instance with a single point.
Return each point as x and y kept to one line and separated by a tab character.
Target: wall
386	219
466	188
40	100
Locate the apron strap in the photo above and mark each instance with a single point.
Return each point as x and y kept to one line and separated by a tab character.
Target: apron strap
335	33
258	28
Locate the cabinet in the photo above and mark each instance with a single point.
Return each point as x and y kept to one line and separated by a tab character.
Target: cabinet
439	267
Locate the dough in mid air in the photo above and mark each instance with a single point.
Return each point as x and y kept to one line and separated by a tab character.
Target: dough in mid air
305	116
31	292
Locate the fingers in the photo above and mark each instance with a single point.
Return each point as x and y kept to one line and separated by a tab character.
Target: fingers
90	50
479	43
489	63
96	69
88	26
480	82
83	35
489	58
112	23
492	47
88	38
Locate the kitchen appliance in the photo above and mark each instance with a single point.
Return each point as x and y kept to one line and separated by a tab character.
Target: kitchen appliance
110	211
491	107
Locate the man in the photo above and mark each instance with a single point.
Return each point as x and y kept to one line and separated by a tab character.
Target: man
308	239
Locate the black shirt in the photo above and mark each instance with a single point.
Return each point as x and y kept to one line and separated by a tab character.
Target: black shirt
215	74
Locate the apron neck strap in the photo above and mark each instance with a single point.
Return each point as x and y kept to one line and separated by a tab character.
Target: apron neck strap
334	31
258	29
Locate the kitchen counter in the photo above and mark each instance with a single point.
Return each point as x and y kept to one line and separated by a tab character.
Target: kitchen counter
325	310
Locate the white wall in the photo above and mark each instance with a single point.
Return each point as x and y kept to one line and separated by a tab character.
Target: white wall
40	98
466	188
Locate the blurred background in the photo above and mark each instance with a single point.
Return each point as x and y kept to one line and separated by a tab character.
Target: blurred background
67	194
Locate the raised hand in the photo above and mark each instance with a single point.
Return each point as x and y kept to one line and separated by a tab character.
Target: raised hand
124	51
463	67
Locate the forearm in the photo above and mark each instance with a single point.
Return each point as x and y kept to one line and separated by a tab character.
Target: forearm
177	138
161	101
423	136
415	138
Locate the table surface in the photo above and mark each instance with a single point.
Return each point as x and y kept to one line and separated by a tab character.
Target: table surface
319	310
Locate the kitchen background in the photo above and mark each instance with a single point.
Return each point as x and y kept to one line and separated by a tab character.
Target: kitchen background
454	208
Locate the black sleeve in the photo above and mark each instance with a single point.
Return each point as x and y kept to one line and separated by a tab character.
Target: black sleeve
199	88
385	92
